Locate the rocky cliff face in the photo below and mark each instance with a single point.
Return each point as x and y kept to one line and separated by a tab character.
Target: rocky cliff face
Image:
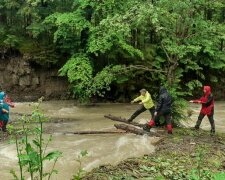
24	81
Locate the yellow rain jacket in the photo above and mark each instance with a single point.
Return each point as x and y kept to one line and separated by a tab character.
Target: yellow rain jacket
146	100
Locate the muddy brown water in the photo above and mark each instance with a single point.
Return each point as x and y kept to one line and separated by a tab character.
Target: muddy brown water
102	149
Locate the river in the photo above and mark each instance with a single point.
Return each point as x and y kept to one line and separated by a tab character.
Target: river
102	149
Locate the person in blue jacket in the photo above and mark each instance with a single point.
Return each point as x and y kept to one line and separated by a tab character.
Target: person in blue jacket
4	114
5	104
2	95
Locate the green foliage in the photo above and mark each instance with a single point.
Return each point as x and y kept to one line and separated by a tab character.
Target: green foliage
31	148
78	69
200	173
36	29
69	26
104	78
173	43
80	74
219	176
11	41
193	84
175	167
80	171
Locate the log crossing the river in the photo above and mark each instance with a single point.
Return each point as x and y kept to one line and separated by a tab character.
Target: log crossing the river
134	130
120	119
94	132
131	127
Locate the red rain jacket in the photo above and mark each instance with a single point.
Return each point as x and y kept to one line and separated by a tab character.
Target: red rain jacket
207	101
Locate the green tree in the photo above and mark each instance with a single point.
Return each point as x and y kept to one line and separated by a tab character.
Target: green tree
157	41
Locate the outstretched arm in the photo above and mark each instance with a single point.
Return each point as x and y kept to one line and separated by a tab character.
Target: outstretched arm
197	101
136	99
9	102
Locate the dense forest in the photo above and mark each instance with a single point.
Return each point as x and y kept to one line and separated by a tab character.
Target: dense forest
120	46
108	50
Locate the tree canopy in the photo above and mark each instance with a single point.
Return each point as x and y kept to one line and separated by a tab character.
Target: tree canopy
123	44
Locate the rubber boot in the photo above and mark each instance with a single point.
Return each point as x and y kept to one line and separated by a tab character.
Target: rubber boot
169	129
1	124
198	123
4	126
133	116
212	132
151	123
146	127
130	120
196	127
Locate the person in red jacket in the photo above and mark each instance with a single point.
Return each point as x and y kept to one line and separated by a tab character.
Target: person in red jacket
207	102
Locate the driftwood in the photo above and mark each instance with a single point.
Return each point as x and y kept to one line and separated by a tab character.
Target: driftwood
135	130
120	119
131	129
94	132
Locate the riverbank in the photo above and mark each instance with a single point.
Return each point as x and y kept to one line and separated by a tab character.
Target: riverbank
186	154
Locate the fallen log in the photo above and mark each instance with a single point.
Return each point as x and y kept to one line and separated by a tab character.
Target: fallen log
120	119
94	132
135	130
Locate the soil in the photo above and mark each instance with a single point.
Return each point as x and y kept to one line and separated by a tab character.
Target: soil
187	154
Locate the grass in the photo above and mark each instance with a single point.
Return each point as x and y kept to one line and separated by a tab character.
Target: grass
185	155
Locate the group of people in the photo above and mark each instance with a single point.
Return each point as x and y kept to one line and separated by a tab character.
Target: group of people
164	108
5	104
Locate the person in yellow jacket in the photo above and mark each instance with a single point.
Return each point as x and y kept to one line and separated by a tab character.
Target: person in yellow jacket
145	102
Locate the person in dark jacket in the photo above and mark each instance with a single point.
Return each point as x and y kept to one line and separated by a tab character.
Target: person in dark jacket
163	108
207	102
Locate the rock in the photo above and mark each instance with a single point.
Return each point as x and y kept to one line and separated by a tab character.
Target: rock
223	164
193	155
35	81
25	81
15	79
192	143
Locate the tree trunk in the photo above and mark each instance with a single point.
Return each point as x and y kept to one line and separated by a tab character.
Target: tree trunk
135	130
120	119
171	73
94	132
